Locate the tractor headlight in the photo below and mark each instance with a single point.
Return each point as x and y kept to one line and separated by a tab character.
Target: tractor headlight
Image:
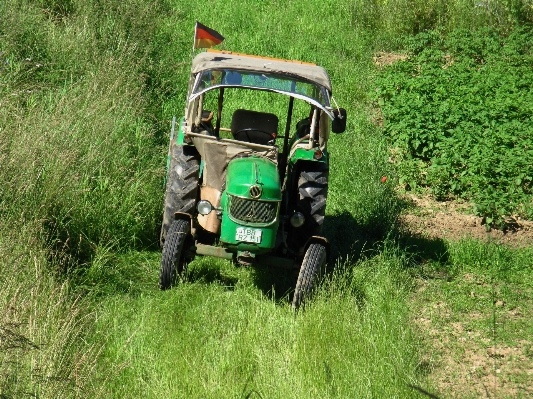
204	207
297	219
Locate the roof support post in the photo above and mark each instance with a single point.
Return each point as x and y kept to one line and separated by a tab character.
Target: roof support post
285	153
313	128
219	111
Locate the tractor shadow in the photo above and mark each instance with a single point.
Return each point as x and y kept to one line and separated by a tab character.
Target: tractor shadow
275	282
347	240
351	242
208	270
422	250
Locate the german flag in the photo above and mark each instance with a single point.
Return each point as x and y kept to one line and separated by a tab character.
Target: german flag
205	37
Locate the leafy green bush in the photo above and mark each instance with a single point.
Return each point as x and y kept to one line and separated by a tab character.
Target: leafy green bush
459	112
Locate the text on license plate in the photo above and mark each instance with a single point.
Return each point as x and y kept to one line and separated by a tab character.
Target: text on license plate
248	235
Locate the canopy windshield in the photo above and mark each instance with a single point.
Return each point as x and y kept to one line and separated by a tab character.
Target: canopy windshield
284	84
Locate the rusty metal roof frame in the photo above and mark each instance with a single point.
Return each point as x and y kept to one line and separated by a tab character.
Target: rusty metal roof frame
224	60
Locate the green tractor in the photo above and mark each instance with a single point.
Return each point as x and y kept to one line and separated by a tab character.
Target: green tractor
246	192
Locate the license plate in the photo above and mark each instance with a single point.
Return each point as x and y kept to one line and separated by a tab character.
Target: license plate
248	235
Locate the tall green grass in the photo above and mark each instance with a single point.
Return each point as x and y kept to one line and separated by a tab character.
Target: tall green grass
42	351
79	171
233	337
385	23
78	135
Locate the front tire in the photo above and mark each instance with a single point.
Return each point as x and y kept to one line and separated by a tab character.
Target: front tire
312	265
173	261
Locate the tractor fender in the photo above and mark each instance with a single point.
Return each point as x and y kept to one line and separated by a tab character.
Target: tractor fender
318	240
300	154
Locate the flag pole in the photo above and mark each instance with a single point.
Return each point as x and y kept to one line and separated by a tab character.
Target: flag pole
194	42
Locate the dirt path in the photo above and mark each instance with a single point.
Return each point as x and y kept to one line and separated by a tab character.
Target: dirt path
450	221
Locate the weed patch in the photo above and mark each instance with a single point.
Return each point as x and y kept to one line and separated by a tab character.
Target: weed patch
458	111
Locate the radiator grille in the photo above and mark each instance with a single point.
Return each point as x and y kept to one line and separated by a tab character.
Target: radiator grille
252	211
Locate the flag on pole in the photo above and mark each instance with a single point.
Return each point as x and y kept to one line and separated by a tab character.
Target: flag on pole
205	37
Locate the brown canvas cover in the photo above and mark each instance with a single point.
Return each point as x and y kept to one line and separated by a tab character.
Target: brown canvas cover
217	153
228	60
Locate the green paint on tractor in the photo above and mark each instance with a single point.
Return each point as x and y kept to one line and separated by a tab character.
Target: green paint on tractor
244	173
253	184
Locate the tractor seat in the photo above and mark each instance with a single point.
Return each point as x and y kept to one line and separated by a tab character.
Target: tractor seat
254	127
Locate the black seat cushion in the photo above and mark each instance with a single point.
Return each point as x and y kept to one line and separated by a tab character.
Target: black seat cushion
254	127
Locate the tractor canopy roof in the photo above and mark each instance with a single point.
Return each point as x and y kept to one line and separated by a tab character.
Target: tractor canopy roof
214	69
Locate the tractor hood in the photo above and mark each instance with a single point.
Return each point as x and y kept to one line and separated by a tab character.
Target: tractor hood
253	177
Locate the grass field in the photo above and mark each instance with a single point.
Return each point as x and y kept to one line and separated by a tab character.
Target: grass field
87	92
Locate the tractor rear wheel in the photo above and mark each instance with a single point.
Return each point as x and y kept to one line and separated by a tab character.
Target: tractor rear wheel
173	261
311	202
182	184
312	266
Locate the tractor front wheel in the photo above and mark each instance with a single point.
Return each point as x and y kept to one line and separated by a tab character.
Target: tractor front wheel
312	265
173	261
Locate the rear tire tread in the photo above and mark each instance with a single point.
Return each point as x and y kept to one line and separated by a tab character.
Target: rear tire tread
182	185
311	202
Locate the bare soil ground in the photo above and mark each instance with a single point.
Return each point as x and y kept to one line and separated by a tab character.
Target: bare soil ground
465	356
451	221
382	58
